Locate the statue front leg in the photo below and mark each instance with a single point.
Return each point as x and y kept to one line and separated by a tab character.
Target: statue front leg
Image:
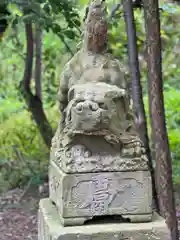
133	148
63	101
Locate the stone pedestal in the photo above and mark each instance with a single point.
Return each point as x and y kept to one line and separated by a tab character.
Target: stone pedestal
50	228
81	196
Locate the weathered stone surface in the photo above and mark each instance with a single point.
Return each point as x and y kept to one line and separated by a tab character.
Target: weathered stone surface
98	134
94	101
50	228
98	164
99	157
106	193
92	63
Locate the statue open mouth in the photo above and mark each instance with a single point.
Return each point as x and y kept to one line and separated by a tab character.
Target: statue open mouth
93	132
94	108
102	132
88	121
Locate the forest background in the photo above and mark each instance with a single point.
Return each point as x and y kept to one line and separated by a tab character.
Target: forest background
24	155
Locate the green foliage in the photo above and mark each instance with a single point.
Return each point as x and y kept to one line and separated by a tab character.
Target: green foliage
7	108
21	146
53	64
172	106
23	152
170	42
59	16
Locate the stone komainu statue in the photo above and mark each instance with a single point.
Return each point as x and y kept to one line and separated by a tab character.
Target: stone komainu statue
96	134
92	65
98	166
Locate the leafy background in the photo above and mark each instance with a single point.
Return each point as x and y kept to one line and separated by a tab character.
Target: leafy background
23	154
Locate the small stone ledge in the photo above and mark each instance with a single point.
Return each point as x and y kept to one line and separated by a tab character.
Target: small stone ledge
50	228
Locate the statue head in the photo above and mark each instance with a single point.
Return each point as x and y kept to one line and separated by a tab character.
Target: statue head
93	107
96	26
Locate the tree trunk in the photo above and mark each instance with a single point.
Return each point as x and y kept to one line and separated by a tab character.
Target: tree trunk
4	13
136	87
34	104
164	182
38	64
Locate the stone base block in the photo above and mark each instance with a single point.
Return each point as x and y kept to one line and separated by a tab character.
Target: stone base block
50	228
82	196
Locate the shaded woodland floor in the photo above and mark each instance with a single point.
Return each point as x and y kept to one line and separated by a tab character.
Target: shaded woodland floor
18	214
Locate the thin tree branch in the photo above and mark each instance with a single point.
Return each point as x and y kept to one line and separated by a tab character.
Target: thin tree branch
115	9
29	57
137	95
67	46
34	104
135	4
38	63
25	189
22	159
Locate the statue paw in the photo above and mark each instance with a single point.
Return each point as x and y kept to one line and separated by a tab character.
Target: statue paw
143	150
77	151
134	149
137	151
126	152
111	139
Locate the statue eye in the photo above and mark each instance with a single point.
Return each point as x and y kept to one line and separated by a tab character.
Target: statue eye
79	101
117	99
103	106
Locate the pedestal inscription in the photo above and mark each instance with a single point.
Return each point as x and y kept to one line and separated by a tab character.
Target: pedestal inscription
108	193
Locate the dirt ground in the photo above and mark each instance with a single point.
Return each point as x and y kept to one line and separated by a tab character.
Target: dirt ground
18	214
